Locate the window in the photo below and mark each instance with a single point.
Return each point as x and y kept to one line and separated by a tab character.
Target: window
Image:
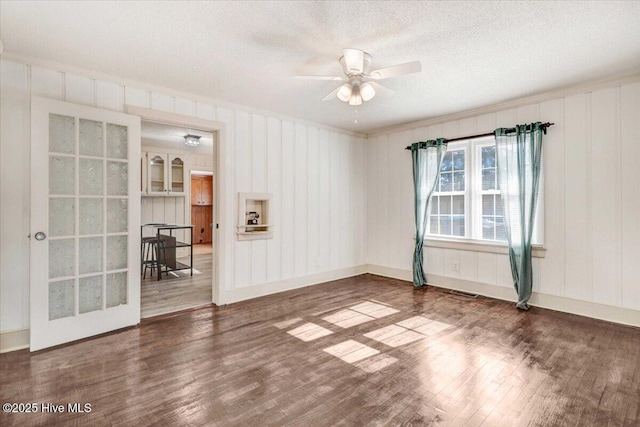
466	204
447	204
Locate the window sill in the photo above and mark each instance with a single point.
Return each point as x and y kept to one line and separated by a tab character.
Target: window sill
477	246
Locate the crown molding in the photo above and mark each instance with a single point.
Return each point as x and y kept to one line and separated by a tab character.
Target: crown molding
124	81
514	103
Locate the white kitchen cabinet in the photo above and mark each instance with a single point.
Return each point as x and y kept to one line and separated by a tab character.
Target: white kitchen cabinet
165	174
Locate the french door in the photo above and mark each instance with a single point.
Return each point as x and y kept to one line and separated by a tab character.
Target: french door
85	222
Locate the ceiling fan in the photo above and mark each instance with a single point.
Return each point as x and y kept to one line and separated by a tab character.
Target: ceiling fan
361	85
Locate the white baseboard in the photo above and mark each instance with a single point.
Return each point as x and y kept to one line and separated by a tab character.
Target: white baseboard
241	294
594	310
16	339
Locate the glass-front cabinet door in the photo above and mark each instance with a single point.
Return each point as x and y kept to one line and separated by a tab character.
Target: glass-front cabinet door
156	174
177	174
85	216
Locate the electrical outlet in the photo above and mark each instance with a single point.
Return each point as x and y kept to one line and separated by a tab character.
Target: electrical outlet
456	266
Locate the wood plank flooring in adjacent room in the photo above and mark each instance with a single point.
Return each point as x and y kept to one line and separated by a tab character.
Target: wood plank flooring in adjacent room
177	291
360	351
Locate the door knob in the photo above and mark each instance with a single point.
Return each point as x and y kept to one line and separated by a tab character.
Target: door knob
40	235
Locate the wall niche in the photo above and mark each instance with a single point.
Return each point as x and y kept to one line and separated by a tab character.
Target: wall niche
254	216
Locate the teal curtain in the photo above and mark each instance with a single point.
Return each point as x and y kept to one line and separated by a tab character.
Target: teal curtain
427	159
519	156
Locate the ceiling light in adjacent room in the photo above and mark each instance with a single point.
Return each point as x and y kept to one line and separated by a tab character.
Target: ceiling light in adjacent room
191	140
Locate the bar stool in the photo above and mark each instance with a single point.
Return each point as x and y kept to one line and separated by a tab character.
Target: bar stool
153	255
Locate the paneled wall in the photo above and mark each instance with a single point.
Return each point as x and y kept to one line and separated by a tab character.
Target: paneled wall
316	174
592	199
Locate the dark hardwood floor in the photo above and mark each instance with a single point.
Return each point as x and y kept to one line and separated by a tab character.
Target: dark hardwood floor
354	352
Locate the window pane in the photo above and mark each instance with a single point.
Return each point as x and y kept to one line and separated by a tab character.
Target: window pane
445	225
447	162
458	181
435	201
499	205
488	179
487	204
446	181
458	205
433	224
488	157
487	228
501	232
458	225
458	160
445	205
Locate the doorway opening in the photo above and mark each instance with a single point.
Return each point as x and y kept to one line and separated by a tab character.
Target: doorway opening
177	252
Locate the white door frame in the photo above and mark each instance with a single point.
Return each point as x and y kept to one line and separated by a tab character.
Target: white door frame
219	173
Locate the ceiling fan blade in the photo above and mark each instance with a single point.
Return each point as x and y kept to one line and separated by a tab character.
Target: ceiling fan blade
332	95
396	70
332	78
381	89
354	60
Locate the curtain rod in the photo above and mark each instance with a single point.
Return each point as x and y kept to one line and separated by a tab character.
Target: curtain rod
510	130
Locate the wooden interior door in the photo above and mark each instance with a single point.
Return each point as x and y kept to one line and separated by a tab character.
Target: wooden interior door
202	208
85	222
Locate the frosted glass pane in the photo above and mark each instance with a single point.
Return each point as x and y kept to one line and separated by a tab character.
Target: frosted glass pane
91	216
90	255
116	215
90	294
61	217
90	138
116	141
62	175
61	299
117	175
116	289
62	257
91	177
116	252
62	134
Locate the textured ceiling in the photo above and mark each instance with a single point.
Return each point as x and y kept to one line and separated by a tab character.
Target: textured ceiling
473	54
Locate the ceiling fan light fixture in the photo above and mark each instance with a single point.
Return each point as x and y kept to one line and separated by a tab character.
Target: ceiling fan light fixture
356	98
367	91
344	93
191	140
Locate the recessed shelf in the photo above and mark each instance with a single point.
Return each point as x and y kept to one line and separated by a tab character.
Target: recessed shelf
253	216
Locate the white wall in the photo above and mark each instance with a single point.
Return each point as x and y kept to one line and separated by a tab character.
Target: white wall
592	200
316	174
